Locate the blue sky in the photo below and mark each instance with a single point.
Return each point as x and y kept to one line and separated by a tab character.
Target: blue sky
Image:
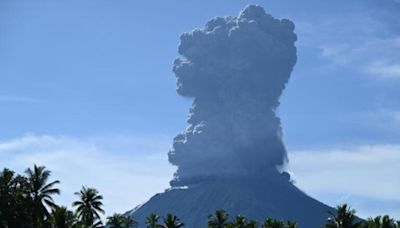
82	81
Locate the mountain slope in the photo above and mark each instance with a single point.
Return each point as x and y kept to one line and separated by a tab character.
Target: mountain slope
256	198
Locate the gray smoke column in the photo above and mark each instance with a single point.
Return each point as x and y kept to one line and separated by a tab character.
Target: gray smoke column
235	68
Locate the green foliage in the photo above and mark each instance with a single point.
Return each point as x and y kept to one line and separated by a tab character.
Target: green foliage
61	217
171	221
89	206
120	221
274	223
41	193
24	200
116	221
345	217
131	223
15	202
218	220
152	221
381	222
291	224
241	221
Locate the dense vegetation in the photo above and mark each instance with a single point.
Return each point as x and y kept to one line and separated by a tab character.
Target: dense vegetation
26	202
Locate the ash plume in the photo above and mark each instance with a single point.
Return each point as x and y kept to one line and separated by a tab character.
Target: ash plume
235	68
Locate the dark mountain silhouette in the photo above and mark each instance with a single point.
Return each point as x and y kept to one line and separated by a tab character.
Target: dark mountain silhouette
257	198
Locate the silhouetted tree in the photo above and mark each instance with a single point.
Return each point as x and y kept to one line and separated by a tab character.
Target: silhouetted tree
130	222
380	222
252	224
273	223
41	192
171	221
152	221
116	221
241	222
218	220
61	217
291	224
89	206
16	206
120	221
343	218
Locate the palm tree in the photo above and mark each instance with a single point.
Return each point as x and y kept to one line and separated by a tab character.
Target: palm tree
387	222
120	221
240	222
89	206
218	220
130	222
116	221
152	221
171	221
7	181
8	198
252	224
62	217
273	223
291	224
345	218
372	222
41	191
16	205
380	222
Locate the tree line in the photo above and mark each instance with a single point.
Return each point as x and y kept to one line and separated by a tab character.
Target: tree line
26	202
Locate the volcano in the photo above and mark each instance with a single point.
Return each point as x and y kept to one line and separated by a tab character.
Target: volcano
232	156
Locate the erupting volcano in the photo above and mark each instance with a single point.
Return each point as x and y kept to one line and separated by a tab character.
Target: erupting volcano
232	155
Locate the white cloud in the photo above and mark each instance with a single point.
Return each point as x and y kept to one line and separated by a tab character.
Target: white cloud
340	175
358	40
126	170
376	57
384	69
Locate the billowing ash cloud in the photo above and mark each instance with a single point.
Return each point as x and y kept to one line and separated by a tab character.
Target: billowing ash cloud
235	69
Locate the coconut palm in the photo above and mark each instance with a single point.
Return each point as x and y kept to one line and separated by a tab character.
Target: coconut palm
116	221
380	222
16	205
273	223
152	221
120	221
171	221
387	222
89	206
41	191
252	224
62	217
130	222
7	198
372	222
291	224
239	222
218	220
344	218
